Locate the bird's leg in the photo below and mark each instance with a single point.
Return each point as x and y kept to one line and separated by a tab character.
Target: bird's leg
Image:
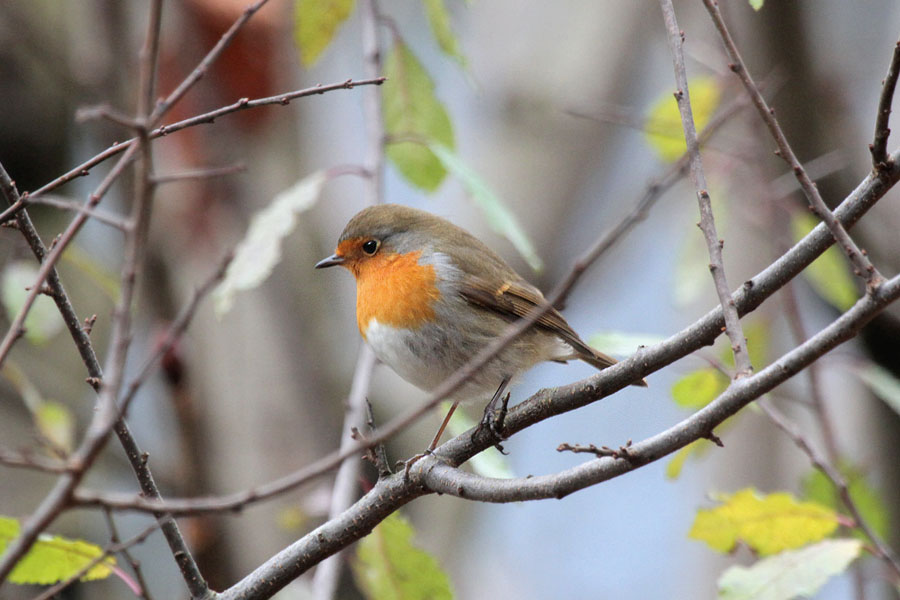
440	431
434	442
492	423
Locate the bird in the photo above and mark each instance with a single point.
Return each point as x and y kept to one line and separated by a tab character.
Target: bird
430	296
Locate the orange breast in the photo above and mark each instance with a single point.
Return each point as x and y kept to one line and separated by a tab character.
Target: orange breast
395	290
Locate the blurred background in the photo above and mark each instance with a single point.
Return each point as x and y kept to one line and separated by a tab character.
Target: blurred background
549	111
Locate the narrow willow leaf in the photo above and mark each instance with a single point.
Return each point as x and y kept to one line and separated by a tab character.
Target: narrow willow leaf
439	20
315	23
389	566
498	215
818	488
662	128
43	320
413	118
53	558
791	574
489	463
882	382
699	388
767	524
260	250
829	274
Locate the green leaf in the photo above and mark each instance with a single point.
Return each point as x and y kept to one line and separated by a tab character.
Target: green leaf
43	320
260	250
767	524
622	343
498	215
699	388
662	127
53	558
55	422
882	382
756	4
439	20
792	574
829	274
315	23
389	566
414	117
818	488
490	463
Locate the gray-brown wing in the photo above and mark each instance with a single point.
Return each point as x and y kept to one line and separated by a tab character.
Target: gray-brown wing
516	299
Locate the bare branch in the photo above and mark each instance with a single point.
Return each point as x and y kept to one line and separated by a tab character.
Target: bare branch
207	173
200	70
861	264
114	547
345	491
882	118
205	118
733	327
837	479
441	477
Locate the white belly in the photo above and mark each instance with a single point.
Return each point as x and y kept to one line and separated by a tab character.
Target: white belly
391	347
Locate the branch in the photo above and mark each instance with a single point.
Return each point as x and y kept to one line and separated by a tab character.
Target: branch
566	398
243	104
837	479
882	118
345	490
733	327
105	413
861	264
444	478
395	491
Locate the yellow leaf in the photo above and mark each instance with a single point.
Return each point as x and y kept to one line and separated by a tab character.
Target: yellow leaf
53	558
699	388
767	524
663	125
829	274
316	23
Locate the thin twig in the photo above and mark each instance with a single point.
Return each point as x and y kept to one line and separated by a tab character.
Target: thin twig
49	260
203	66
51	592
209	117
700	334
882	119
861	264
29	460
837	479
433	474
173	334
733	328
135	564
105	414
100	215
207	173
345	491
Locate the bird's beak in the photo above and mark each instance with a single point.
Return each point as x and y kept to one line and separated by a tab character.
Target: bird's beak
334	259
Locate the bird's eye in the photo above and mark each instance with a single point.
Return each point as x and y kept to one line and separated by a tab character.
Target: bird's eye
371	247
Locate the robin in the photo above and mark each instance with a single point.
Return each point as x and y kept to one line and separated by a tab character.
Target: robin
429	296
